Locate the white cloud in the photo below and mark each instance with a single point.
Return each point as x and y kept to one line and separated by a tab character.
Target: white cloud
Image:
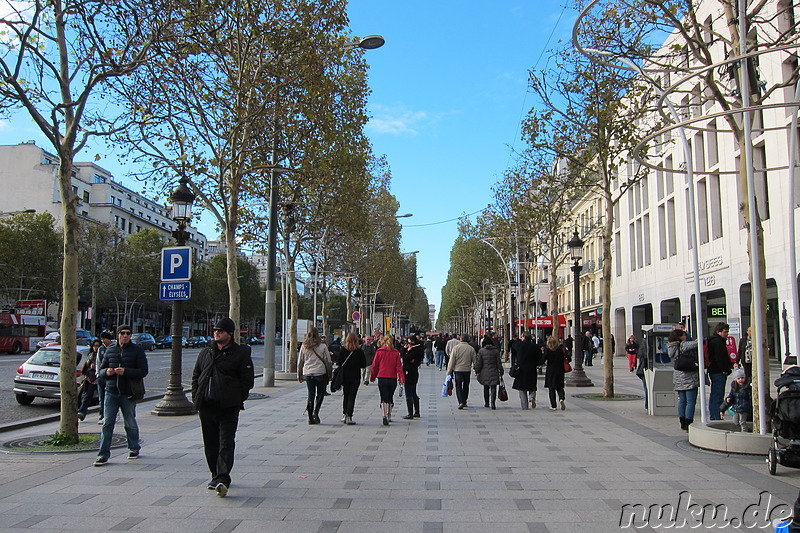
396	121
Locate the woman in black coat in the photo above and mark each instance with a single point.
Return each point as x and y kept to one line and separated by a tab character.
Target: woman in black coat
554	356
489	370
351	359
412	358
528	356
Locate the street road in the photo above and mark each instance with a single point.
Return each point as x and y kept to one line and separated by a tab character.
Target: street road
156	381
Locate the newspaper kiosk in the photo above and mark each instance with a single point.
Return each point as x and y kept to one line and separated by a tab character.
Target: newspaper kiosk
658	375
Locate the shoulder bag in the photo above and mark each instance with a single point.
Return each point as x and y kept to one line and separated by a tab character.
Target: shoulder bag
502	393
338	375
328	369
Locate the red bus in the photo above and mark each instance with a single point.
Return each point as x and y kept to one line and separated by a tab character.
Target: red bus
22	327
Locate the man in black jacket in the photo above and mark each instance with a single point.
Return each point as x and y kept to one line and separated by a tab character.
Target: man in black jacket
221	382
121	363
719	366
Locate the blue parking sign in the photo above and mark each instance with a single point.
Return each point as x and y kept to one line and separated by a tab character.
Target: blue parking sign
176	263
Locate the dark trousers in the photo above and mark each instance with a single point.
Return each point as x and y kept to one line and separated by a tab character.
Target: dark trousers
219	431
316	387
410	387
552	393
349	392
462	386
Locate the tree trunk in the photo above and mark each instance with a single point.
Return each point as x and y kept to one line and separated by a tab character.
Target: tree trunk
69	391
234	298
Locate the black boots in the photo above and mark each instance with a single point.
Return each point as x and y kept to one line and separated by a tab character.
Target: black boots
310	410
689	423
684	426
316	409
416	407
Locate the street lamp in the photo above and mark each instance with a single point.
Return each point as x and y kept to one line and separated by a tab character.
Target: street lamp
175	402
577	378
370	42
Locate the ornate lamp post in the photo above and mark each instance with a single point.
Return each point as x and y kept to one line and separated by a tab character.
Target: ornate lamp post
577	378
175	402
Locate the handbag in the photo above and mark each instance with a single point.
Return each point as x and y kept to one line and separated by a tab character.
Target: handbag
338	375
567	366
137	388
513	371
502	393
449	383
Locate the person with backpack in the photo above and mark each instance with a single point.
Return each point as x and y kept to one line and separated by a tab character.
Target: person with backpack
686	377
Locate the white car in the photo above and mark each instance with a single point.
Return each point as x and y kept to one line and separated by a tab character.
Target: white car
38	377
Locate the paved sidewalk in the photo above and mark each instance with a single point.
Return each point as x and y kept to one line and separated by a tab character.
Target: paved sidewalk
467	470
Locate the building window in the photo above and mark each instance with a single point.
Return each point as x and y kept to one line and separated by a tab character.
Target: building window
86	196
98	179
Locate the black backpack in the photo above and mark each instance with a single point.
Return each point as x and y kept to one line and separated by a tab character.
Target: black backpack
685	361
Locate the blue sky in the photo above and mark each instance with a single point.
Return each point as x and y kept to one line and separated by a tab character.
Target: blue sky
449	89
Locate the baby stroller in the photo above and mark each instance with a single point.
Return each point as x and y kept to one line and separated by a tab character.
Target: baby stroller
785	413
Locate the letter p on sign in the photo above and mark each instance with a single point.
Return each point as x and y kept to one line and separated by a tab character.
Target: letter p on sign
176	263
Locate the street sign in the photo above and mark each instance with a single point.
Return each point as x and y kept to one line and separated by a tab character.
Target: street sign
176	263
356	316
175	290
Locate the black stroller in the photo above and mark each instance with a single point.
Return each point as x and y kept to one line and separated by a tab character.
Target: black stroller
785	413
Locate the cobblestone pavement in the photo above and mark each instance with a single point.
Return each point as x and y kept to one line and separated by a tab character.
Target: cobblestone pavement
578	470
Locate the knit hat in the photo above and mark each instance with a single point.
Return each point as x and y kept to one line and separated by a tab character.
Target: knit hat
738	373
226	325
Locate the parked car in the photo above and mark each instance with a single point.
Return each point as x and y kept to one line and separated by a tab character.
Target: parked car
145	340
38	377
166	341
256	340
84	338
196	342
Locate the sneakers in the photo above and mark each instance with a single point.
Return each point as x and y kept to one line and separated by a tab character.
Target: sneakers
344	419
553	409
409	416
100	422
133	454
81	416
563	405
221	490
101	461
533	404
349	421
211	485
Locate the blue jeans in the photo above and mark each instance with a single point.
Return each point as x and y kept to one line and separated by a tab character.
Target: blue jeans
316	387
587	358
686	402
112	404
439	359
717	394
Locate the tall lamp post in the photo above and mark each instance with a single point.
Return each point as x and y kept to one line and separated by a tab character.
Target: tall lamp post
175	402
577	378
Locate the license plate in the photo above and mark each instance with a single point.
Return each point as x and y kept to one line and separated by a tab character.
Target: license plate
39	375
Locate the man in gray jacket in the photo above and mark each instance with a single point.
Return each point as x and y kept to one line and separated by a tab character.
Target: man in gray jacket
462	357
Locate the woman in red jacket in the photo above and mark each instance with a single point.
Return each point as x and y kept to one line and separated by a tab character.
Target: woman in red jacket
388	369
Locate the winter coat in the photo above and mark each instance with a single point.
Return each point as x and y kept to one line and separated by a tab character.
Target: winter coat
369	352
462	357
412	359
554	373
309	364
351	364
528	356
718	359
488	366
132	357
682	379
741	398
387	364
222	378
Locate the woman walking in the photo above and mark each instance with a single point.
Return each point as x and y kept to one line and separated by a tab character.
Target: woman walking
412	359
488	369
631	350
528	356
686	382
554	356
351	360
387	369
314	366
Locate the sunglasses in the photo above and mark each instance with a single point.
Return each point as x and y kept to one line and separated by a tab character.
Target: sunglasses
124	332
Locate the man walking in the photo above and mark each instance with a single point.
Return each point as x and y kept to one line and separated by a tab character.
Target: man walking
439	345
221	382
369	354
122	363
462	357
106	337
588	346
719	366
